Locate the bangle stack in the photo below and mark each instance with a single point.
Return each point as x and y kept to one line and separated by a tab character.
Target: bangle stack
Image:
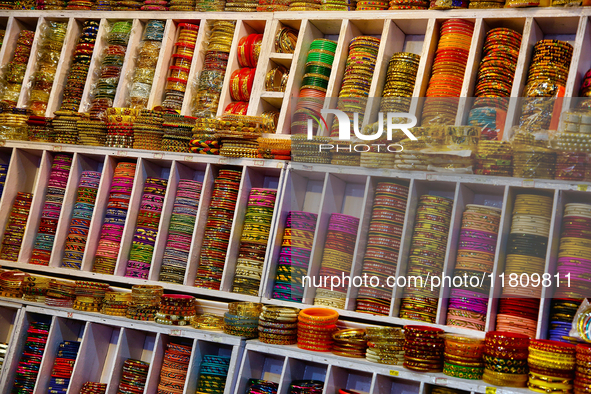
274	148
90	296
178	76
308	151
428	246
495	81
115	303
294	256
34	288
213	373
315	329
147	58
551	365
446	80
313	91
242	79
534	162
93	388
145	302
148	130
337	258
11	283
133	376
176	310
180	231
286	40
351	342
15	228
91	132
526	254
146	230
423	348
505	359
582	383
494	158
112	61
112	230
217	229
306	387
242	319
475	257
208	321
178	130
81	217
238	134
204	140
383	242
562	315
3	174
257	386
276	79
30	360
278	325
253	241
211	79
65	126
63	366
400	82
16	68
56	188
40	129
385	345
60	294
463	357
120	127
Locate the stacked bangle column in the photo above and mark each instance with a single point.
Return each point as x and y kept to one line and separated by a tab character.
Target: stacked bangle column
253	242
294	257
16	68
242	79
146	230
56	188
217	229
147	58
15	228
337	258
178	76
112	229
174	368
30	360
526	255
180	231
63	367
427	254
383	244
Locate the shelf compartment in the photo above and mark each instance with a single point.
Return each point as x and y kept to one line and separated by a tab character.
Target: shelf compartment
298	369
390	385
202	348
350	379
257	365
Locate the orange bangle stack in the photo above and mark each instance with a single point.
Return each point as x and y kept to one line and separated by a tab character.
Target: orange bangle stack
315	329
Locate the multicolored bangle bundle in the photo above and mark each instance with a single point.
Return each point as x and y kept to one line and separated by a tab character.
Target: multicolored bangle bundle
314	84
15	228
468	305
115	303
463	357
211	78
40	129
551	366
134	376
505	359
30	360
213	373
146	230
147	58
428	248
176	310
351	342
89	296
180	231
242	319
11	283
60	294
81	218
56	188
49	50
294	256
546	76
178	76
120	127
383	243
423	348
495	81
447	74
34	288
147	129
337	258
253	241
175	367
582	383
278	325
385	345
217	229
110	71
93	388
178	130
61	373
315	329
494	158
526	255
257	386
145	302
16	68
112	230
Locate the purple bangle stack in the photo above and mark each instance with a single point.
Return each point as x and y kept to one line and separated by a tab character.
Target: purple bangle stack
383	244
294	256
180	231
475	258
112	230
56	188
146	230
81	217
337	258
253	242
15	229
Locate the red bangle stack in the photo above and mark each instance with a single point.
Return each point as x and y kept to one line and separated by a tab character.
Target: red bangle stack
242	79
505	359
423	348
